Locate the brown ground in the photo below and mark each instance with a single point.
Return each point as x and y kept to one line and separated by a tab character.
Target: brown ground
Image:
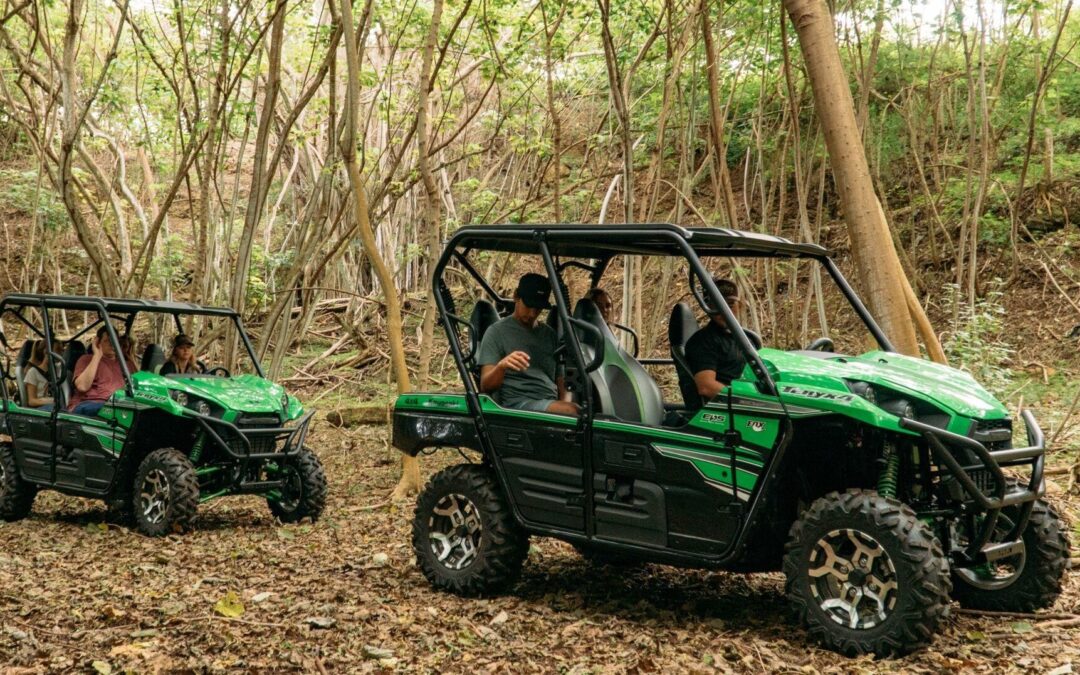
345	595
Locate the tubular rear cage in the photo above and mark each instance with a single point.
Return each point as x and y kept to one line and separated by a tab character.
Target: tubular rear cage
985	485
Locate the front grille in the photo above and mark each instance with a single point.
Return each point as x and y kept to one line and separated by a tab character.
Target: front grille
994	434
262	443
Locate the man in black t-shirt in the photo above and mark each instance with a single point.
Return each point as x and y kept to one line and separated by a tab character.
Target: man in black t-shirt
713	353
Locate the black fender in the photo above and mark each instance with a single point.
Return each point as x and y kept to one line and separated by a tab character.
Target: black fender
415	431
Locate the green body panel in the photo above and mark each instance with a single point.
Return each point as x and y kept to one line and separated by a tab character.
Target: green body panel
237	394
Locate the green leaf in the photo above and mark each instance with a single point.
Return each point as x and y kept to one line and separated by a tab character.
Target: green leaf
229	606
102	667
1022	627
976	635
282	533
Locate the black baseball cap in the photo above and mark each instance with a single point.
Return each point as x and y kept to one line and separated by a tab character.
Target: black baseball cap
534	290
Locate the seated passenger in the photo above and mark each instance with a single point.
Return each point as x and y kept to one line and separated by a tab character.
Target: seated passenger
97	377
127	345
602	301
39	390
713	353
181	359
517	355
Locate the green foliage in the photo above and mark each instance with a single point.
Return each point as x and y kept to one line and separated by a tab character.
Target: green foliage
22	194
978	341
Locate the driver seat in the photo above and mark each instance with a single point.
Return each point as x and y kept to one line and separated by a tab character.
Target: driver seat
681	327
622	386
483	316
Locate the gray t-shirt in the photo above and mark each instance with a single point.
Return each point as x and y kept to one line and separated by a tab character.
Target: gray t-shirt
537	382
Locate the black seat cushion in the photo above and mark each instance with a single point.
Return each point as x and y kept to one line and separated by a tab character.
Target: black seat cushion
483	316
152	358
681	327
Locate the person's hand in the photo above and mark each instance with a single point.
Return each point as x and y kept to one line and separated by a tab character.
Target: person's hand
97	346
518	361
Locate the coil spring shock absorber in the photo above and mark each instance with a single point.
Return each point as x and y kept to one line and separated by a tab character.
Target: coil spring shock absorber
890	474
197	447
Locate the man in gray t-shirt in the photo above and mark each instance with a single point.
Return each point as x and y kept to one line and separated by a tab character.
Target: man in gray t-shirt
517	355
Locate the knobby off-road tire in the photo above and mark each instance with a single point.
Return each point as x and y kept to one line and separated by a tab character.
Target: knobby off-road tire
464	535
165	493
1026	582
16	495
305	493
875	556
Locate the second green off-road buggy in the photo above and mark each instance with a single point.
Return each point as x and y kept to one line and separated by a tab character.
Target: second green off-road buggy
161	445
882	485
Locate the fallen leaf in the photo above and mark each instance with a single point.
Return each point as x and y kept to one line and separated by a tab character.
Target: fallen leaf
1063	669
500	618
229	606
372	652
320	622
261	597
102	667
380	560
1022	627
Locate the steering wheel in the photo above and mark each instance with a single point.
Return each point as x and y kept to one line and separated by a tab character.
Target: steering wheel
822	344
220	369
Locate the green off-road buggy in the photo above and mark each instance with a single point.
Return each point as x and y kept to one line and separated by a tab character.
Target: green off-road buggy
162	444
882	485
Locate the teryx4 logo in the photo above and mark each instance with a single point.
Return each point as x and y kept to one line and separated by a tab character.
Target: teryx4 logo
819	395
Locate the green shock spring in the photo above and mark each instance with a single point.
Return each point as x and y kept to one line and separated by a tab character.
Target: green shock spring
197	447
887	481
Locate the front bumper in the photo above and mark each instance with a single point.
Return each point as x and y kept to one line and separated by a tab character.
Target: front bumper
251	443
946	445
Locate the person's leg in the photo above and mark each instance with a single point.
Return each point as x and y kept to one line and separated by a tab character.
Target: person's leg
88	408
564	408
47	407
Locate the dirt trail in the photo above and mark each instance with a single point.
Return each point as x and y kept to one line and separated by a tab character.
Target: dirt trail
344	596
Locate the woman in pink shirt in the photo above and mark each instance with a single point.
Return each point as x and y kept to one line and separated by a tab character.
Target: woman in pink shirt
97	377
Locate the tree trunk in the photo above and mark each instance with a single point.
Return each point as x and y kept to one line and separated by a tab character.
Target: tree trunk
876	261
430	233
410	474
716	119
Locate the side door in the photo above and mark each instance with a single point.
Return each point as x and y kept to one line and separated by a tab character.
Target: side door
87	451
686	488
542	456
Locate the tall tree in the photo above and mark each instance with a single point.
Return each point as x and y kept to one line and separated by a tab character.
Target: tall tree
872	246
410	473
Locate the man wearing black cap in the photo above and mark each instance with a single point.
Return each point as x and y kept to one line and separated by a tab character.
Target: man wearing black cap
713	354
517	355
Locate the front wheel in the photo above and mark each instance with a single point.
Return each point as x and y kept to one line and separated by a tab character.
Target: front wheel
865	575
16	495
166	493
465	537
1026	581
303	494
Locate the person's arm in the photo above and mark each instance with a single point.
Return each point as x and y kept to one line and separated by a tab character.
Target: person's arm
564	393
85	379
491	376
32	398
707	384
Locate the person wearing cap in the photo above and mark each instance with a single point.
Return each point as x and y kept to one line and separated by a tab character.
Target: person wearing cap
713	353
181	359
517	355
98	376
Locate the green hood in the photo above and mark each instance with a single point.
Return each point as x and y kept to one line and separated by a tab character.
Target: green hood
240	393
952	390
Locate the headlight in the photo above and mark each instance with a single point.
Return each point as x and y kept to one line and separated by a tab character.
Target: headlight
864	390
178	396
901	407
202	407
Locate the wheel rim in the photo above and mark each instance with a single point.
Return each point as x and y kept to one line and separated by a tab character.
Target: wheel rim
853	579
993	576
292	490
454	531
154	496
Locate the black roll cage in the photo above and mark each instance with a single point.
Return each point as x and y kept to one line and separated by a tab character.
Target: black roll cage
108	309
551	240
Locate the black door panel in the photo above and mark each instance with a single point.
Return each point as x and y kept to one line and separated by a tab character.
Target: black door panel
544	463
32	437
630	510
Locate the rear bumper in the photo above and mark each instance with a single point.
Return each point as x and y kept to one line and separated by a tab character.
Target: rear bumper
250	443
946	445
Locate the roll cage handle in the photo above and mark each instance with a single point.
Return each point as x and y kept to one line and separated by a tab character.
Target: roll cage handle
598	357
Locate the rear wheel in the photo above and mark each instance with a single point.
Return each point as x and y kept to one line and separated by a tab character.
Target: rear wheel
1026	581
465	538
16	495
865	575
304	492
166	493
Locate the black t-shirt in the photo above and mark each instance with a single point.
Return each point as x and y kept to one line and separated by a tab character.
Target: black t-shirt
715	348
169	368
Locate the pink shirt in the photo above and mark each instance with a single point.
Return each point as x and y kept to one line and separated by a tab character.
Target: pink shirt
108	379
